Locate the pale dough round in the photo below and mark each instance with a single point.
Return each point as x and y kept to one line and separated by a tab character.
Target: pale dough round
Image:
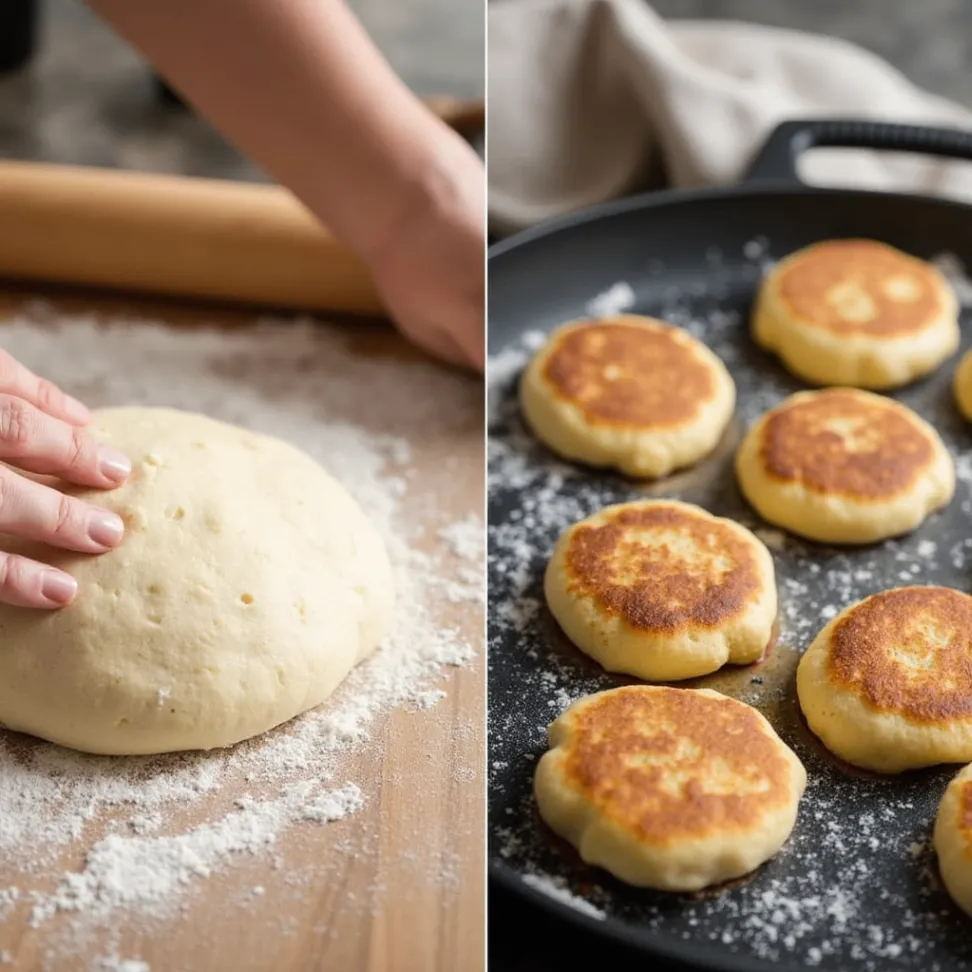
663	590
857	313
248	585
953	839
675	789
844	466
631	393
887	684
962	386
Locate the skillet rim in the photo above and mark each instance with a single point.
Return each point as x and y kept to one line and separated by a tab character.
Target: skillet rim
701	955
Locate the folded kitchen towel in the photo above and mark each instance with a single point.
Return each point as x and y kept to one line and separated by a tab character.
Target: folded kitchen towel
587	96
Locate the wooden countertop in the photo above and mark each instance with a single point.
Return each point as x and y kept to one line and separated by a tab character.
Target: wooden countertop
411	894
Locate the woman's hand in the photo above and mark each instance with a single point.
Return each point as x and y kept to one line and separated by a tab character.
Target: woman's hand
301	88
42	431
431	269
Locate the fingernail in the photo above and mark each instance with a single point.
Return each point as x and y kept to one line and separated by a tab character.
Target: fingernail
58	587
76	411
113	464
105	529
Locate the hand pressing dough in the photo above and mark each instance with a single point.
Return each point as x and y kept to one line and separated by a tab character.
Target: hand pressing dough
675	789
844	466
857	313
629	392
663	590
953	839
248	585
887	685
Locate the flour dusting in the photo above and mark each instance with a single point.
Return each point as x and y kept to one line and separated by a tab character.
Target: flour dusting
954	271
556	887
615	300
112	963
151	830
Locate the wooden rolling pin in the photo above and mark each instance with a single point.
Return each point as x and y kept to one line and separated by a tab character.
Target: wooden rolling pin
199	238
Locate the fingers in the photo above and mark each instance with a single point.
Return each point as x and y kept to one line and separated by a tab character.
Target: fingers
474	343
19	381
33	440
447	346
40	431
26	583
444	346
37	512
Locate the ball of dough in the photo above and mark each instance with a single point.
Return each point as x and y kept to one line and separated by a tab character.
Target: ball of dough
662	590
844	466
247	586
887	685
953	839
630	393
675	789
858	313
962	385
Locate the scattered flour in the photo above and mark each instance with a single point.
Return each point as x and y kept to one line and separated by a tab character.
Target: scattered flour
755	249
617	299
427	699
465	537
556	887
775	540
128	816
954	271
114	964
465	540
507	365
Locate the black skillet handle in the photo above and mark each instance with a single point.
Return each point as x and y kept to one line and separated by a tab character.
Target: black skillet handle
776	161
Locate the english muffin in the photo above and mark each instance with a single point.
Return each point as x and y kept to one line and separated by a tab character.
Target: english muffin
662	590
962	386
953	839
844	466
675	789
887	685
858	313
628	392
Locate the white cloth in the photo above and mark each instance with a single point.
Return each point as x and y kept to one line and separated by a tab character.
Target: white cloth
586	95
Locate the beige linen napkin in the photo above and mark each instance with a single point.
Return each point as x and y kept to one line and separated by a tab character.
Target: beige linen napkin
585	96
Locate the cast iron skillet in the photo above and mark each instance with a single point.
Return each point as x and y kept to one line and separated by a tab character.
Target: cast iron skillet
695	256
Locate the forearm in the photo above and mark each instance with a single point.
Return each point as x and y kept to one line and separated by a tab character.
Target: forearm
300	88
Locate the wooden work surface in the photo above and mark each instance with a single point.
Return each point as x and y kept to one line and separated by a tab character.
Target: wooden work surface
409	895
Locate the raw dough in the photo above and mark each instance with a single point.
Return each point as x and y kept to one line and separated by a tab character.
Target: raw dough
248	585
844	466
857	312
667	788
628	392
663	590
887	684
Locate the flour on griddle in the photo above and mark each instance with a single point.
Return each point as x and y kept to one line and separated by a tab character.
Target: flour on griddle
555	887
790	910
953	270
617	299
